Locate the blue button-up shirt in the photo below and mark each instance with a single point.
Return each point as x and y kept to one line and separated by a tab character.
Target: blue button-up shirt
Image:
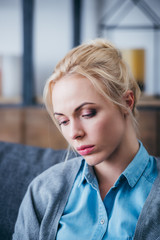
87	217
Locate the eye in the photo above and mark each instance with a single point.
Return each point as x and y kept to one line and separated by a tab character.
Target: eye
64	123
89	113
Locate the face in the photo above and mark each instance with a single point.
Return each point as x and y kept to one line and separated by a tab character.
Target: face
92	125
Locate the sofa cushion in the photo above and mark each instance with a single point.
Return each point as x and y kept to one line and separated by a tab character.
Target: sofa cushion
19	164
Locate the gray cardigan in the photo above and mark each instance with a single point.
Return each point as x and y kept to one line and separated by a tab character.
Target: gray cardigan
47	195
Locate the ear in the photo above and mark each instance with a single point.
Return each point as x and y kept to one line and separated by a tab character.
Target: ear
129	99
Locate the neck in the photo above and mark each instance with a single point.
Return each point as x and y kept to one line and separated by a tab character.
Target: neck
109	170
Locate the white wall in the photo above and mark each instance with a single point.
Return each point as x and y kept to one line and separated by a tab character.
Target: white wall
52	37
11	47
11	27
89	22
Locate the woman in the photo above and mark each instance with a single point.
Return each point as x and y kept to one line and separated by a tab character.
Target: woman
106	192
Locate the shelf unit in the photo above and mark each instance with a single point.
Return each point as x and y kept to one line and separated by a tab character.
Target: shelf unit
124	8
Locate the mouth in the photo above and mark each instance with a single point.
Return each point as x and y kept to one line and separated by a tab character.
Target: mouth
85	149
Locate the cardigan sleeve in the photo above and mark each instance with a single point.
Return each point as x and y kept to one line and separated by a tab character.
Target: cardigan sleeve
28	221
44	202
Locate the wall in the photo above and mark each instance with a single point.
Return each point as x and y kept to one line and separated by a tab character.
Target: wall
53	26
11	27
11	46
52	37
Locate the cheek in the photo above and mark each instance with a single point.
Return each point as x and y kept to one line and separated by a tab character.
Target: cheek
97	129
109	127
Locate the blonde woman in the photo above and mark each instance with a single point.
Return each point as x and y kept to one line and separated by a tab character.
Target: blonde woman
111	189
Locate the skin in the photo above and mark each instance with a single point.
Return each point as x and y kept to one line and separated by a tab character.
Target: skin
87	118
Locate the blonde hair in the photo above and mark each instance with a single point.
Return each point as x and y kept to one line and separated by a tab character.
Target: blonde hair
101	63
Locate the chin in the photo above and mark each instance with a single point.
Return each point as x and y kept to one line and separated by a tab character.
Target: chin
92	160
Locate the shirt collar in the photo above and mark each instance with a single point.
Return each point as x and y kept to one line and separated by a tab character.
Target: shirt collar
132	173
88	175
137	166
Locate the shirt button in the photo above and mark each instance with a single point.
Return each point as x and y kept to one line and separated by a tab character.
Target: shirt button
102	221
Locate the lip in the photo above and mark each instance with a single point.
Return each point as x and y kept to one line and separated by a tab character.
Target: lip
85	149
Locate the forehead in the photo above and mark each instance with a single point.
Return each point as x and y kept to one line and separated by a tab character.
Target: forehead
71	91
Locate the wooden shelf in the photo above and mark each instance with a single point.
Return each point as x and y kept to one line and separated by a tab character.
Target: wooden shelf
149	101
15	100
30	126
33	126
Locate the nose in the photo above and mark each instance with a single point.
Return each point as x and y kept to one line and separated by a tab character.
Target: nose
76	130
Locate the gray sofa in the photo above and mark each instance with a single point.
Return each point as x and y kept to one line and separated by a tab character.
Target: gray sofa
19	164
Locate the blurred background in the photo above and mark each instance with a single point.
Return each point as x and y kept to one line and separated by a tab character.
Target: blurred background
36	34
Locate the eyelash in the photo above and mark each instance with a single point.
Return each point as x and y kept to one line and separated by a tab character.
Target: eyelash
63	123
91	114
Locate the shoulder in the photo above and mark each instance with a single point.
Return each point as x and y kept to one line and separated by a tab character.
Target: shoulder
158	166
55	177
155	191
158	162
147	226
61	168
52	186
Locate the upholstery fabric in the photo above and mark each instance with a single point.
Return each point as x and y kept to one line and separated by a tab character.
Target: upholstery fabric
19	164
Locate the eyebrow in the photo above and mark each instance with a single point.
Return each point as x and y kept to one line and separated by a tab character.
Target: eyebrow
76	110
